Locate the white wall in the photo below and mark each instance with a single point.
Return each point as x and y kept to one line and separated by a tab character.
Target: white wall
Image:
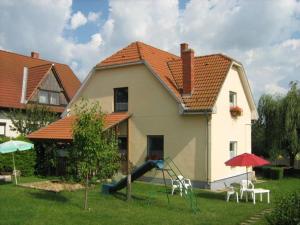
225	128
8	131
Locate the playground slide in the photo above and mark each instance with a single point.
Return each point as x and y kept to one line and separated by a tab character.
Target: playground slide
138	172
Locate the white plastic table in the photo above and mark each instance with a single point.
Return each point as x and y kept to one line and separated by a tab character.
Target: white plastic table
260	191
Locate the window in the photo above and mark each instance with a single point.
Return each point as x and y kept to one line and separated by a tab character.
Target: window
121	99
232	98
43	97
48	97
2	129
232	149
122	143
155	147
54	98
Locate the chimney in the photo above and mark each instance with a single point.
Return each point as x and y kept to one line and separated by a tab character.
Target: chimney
24	85
187	57
35	55
183	47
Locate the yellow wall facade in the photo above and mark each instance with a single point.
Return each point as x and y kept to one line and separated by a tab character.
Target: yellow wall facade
154	112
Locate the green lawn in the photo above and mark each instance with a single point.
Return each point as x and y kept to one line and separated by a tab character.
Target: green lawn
149	206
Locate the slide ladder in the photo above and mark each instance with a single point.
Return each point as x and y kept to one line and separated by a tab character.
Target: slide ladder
173	171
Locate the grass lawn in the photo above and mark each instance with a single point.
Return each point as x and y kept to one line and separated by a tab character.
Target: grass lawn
149	206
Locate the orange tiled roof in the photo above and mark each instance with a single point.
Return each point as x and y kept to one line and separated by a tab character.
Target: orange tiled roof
62	129
11	78
210	72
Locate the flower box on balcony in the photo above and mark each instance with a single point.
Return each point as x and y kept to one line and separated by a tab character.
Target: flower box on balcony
236	111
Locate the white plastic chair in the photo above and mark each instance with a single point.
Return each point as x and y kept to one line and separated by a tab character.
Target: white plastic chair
246	186
181	183
231	191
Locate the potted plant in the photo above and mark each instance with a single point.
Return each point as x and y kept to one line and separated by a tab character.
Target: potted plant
236	111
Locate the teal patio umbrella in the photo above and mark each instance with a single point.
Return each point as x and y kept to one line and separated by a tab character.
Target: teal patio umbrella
13	146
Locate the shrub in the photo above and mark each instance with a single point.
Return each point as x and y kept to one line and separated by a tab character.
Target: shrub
286	210
276	173
272	172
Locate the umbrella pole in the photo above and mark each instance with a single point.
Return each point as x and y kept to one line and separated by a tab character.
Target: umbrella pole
15	172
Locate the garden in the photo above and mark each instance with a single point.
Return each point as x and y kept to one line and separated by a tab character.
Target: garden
149	205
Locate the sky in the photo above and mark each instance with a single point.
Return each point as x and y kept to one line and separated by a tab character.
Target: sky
264	35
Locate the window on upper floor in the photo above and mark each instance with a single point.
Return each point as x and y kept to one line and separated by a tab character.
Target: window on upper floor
48	97
232	149
121	99
155	147
232	98
2	129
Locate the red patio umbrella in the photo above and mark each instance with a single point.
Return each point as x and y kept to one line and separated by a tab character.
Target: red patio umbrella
246	160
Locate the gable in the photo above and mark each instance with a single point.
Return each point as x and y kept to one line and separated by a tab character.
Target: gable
50	82
236	81
11	76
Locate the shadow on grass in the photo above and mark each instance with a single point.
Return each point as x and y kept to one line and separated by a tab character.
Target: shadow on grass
123	197
211	195
49	196
5	183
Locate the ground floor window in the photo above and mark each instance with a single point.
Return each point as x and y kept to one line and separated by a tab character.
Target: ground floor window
232	149
122	143
155	147
2	129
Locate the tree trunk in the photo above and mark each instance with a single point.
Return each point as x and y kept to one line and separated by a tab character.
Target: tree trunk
86	192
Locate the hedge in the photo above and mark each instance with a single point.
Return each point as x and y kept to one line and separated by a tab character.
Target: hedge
275	173
25	161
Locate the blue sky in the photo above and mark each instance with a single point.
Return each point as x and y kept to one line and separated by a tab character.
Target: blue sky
264	35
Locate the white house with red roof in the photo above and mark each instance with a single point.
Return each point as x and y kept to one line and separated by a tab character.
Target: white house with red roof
30	79
197	110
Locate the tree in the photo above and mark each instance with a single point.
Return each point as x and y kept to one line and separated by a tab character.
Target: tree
266	129
30	119
290	137
95	151
277	130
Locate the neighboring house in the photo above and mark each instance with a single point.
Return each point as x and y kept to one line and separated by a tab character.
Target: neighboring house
29	79
196	110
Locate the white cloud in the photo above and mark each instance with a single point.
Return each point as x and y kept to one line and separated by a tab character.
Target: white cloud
77	20
92	16
258	33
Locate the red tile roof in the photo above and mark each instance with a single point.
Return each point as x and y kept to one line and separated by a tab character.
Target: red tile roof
35	76
210	72
62	129
11	78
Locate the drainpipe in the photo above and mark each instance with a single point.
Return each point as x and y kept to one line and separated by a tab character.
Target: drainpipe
208	128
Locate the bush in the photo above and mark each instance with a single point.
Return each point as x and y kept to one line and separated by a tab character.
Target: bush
25	160
286	210
275	173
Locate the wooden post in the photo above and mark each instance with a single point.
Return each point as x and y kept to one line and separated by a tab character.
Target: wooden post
128	166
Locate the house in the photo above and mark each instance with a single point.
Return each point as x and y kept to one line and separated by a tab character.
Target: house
196	110
30	79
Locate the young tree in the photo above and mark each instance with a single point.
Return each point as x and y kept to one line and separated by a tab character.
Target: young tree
95	150
30	119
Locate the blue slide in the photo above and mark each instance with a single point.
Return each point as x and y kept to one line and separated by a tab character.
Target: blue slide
137	172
